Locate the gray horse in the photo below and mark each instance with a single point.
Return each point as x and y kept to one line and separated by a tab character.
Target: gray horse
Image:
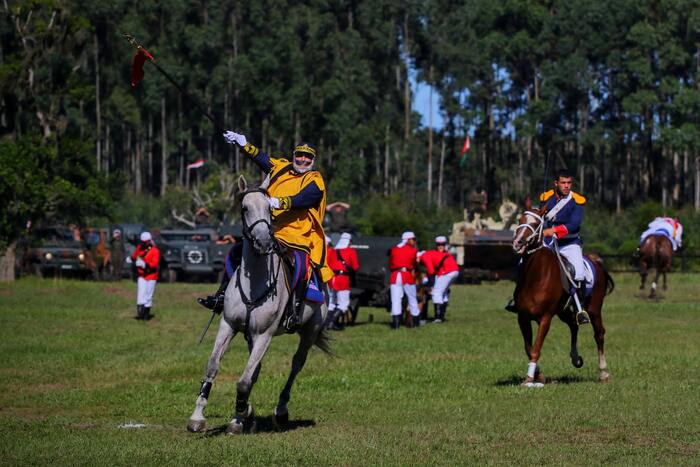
254	305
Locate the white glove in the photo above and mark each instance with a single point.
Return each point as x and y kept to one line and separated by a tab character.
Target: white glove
129	260
140	263
233	137
274	202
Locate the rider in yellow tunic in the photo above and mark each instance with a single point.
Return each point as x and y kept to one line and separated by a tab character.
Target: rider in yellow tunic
298	203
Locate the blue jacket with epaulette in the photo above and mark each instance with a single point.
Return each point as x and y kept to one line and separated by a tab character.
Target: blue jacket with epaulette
568	219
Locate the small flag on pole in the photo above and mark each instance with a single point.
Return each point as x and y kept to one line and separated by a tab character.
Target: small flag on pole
465	150
196	164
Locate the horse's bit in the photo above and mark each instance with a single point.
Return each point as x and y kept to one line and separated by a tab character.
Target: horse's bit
536	232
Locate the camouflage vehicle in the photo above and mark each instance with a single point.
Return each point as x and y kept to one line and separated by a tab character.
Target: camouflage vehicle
53	251
190	255
483	247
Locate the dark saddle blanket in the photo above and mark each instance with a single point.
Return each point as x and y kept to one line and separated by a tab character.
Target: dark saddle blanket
590	273
314	287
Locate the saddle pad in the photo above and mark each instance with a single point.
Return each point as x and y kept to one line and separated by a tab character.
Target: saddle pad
314	291
664	233
589	268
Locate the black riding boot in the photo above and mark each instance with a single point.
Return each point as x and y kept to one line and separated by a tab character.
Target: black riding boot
581	316
147	316
511	306
139	312
395	321
443	311
215	302
438	318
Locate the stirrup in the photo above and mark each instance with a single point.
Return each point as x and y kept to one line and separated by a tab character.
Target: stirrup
582	317
214	302
511	306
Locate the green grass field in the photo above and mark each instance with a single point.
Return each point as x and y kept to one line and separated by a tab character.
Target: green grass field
74	367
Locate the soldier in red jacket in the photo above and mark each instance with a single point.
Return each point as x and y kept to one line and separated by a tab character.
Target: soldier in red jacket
146	258
442	272
344	263
402	263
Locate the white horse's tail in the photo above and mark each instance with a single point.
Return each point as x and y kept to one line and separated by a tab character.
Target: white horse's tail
323	342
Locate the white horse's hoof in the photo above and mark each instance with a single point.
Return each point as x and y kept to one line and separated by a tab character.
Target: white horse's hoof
242	423
234	428
196	426
533	384
604	377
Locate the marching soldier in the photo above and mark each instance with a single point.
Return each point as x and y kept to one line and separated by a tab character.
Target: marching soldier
402	264
344	263
146	258
442	272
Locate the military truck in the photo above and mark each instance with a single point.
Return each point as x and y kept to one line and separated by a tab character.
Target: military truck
187	255
52	250
483	246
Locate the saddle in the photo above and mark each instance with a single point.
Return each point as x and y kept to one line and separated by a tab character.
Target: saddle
567	270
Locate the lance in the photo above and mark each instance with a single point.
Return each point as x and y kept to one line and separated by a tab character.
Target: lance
143	55
201	338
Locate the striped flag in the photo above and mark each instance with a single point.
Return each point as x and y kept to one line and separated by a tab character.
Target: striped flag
196	164
465	150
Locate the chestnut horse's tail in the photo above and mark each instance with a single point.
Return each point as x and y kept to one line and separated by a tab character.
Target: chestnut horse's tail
609	282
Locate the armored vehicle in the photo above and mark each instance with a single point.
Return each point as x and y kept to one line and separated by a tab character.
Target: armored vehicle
371	283
191	255
53	251
483	247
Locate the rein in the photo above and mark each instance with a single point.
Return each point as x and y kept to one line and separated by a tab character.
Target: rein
248	228
536	232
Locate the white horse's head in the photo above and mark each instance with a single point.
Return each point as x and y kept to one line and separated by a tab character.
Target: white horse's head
528	235
255	216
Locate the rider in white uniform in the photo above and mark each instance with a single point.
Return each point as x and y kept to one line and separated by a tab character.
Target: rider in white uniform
667	226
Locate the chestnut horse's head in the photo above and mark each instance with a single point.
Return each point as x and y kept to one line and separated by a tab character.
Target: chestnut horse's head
528	234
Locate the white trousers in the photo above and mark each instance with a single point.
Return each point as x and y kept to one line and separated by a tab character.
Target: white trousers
339	299
574	255
655	226
441	288
145	290
397	291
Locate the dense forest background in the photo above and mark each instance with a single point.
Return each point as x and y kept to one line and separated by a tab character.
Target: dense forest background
608	89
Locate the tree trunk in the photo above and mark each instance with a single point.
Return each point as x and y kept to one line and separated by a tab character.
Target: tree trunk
98	110
430	138
697	182
387	159
138	176
163	148
149	150
441	171
7	263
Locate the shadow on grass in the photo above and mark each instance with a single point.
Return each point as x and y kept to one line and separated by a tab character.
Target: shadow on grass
263	425
516	380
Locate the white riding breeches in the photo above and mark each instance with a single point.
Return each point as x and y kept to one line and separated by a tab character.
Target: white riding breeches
442	287
339	299
397	291
145	290
574	255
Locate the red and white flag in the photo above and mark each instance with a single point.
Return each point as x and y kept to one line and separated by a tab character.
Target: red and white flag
196	164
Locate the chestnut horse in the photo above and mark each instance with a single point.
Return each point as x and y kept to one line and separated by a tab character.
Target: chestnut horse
540	295
656	251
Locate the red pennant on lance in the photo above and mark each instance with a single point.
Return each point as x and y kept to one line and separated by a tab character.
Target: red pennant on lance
465	148
137	66
196	164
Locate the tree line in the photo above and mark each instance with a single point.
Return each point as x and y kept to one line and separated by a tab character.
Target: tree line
608	89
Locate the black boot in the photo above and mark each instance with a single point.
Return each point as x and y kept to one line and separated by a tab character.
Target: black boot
293	318
395	321
582	315
511	306
139	312
214	302
147	316
443	311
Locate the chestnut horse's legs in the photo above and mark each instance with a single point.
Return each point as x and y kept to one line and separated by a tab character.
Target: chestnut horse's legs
665	282
576	359
599	334
643	271
657	272
533	370
526	331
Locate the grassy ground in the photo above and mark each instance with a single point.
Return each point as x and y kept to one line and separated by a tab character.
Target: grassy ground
74	367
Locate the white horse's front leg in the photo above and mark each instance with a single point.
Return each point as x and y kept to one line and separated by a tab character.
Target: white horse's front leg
197	421
243	416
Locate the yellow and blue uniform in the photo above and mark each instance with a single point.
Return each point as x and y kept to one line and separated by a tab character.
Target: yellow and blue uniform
567	222
299	221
